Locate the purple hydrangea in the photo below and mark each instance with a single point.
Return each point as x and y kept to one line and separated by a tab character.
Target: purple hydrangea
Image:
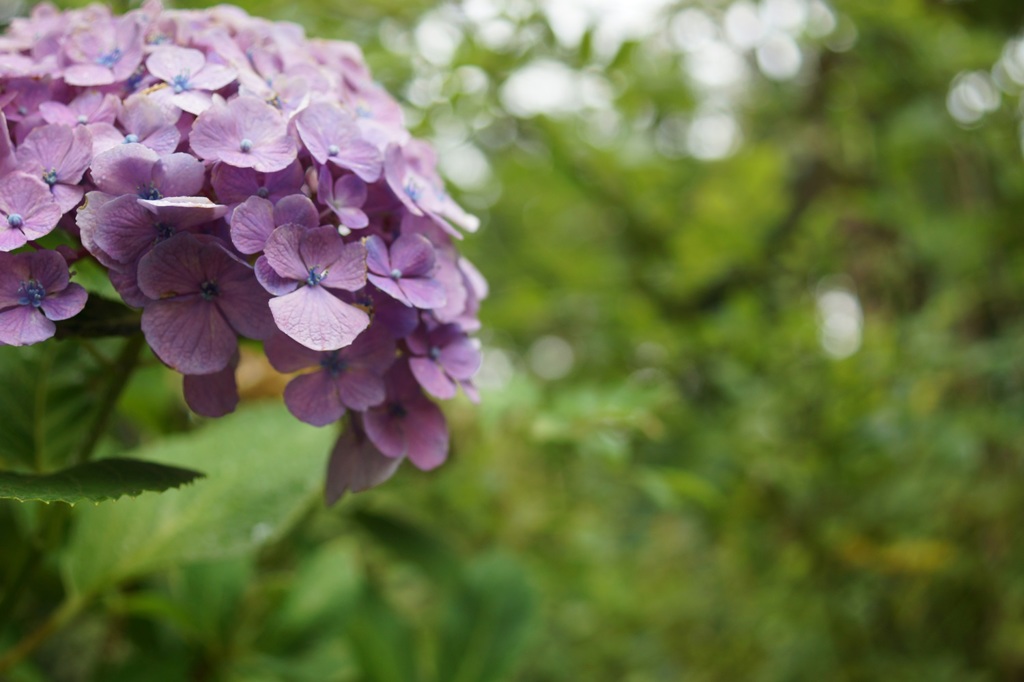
35	292
236	179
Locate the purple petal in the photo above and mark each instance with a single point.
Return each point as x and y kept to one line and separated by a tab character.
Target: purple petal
317	319
179	175
423	293
251	225
244	303
24	325
212	395
124	169
377	258
287	355
174	267
184	212
356	465
167	63
361	389
413	254
296	209
389	287
189	334
88	75
461	359
271	281
67	303
427	435
282	252
386	432
313	398
348	270
433	378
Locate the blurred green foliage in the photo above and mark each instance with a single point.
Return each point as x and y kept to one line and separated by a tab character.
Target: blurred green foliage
751	411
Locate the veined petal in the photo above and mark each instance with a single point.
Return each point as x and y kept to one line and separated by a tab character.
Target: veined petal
317	319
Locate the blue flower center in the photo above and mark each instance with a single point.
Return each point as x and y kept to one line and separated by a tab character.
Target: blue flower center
263	192
50	177
111	58
396	274
333	150
180	82
31	293
82	119
15	220
413	190
363	111
333	364
245	145
209	290
397	410
434	353
149	192
131	138
314	277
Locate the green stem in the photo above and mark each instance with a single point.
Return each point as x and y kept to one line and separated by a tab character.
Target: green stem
120	373
58	619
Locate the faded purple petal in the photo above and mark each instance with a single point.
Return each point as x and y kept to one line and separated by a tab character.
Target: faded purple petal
188	333
251	225
317	319
413	255
313	398
66	303
432	378
356	465
24	325
212	395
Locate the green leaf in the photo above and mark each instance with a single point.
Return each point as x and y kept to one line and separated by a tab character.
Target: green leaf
101	317
105	479
382	642
263	468
47	402
411	543
486	624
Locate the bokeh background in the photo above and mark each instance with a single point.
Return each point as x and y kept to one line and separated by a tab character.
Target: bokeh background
753	391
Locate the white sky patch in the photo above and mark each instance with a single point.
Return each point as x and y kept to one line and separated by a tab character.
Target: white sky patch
972	95
613	21
713	135
691	29
549	87
743	25
437	39
779	57
551	357
840	321
785	15
716	65
466	166
496	370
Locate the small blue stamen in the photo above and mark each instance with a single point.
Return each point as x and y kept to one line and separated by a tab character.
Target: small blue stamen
413	190
50	177
396	274
314	277
209	290
82	119
150	193
245	145
131	138
31	293
434	353
15	220
180	82
333	150
263	192
111	58
397	410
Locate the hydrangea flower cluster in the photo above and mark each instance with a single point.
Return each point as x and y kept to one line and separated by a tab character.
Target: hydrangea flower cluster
237	179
